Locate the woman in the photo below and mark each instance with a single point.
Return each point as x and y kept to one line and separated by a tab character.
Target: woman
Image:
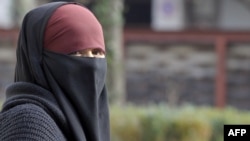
59	91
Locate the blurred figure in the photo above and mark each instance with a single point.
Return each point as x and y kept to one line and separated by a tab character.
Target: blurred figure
59	91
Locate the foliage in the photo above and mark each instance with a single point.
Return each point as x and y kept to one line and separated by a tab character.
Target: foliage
161	123
103	10
110	15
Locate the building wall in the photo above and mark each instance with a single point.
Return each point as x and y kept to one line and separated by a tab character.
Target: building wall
181	74
238	81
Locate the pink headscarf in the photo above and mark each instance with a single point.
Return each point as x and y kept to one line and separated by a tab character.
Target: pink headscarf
73	28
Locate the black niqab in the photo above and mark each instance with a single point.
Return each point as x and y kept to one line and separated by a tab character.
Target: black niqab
78	83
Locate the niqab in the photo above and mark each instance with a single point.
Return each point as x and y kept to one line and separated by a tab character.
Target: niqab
78	83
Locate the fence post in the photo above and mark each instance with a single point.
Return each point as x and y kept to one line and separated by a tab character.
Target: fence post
220	91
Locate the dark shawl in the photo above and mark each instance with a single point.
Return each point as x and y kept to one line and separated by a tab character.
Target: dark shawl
78	83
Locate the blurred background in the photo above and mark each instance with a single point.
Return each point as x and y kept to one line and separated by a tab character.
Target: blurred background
190	58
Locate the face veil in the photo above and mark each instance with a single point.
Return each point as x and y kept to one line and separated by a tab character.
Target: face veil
77	83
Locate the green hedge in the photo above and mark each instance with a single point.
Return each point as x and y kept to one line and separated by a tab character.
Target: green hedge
161	123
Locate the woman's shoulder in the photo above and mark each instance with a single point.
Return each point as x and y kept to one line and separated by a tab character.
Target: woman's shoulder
25	112
29	122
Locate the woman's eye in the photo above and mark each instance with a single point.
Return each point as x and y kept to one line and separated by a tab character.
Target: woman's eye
90	53
96	52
